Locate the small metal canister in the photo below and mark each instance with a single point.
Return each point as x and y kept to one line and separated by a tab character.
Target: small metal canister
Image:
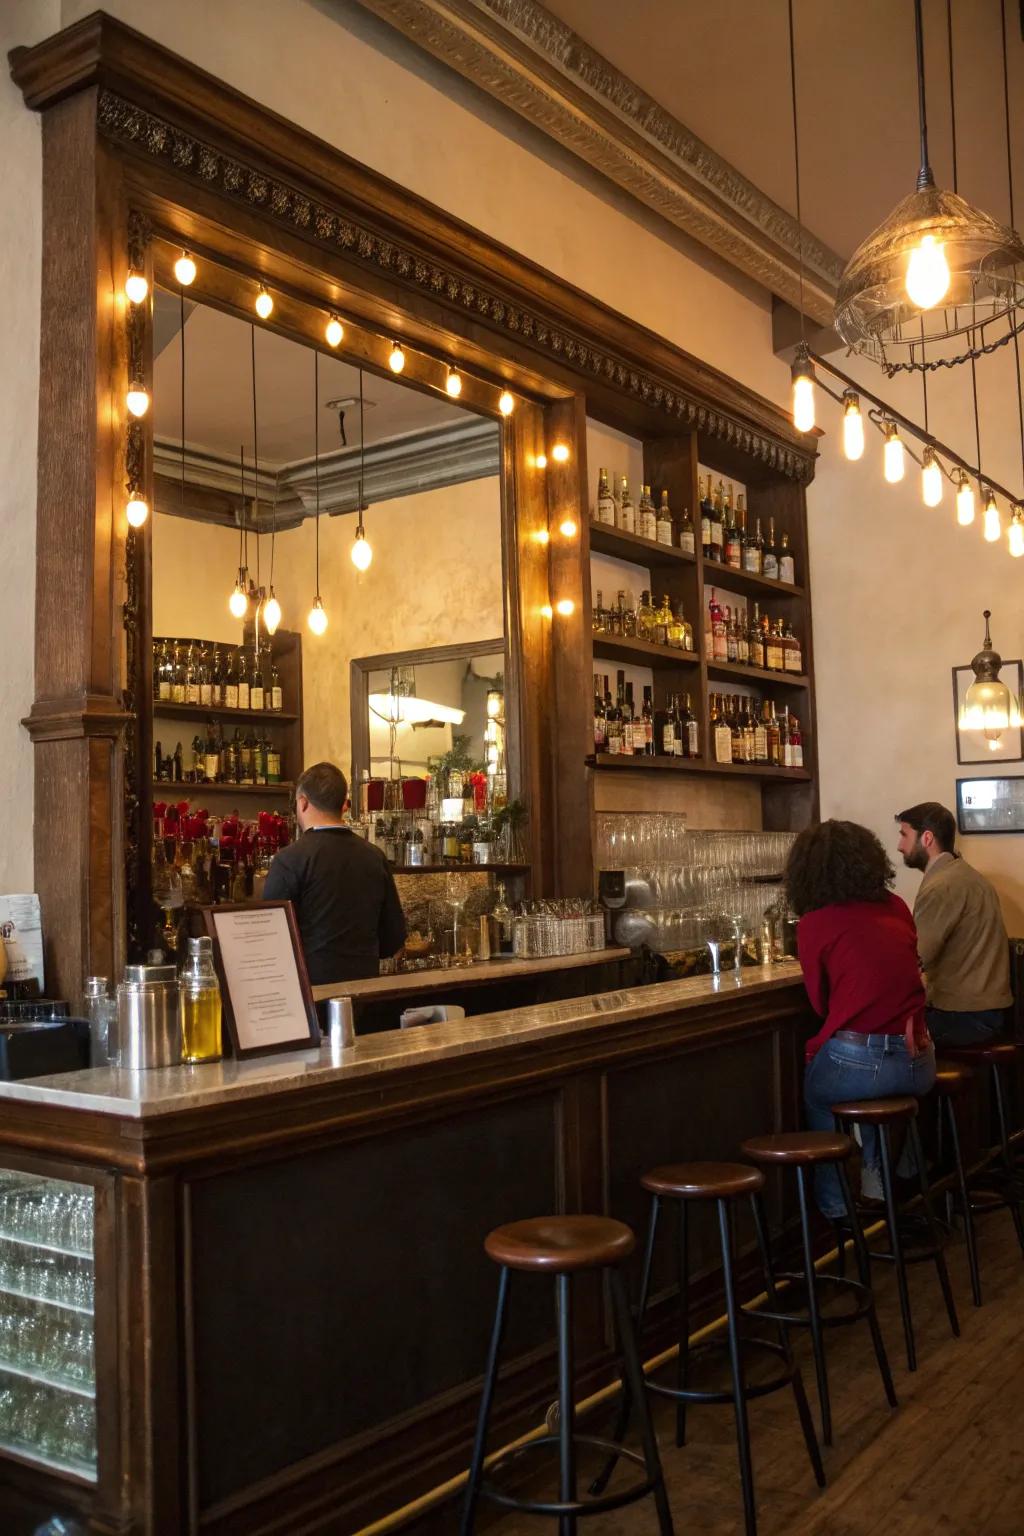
148	1023
341	1029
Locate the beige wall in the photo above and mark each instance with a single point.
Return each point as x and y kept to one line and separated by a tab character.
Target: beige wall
435	580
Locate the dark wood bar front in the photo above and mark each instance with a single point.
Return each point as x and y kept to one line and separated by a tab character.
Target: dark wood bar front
295	1302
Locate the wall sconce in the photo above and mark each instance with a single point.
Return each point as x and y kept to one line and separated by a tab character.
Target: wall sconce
988	711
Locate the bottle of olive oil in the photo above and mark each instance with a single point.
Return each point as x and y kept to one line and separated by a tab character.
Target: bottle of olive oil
199	993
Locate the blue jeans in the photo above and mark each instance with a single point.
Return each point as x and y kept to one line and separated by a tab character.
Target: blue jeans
975	1028
879	1068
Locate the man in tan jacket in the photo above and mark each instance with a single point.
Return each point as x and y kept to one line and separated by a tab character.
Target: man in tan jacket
962	943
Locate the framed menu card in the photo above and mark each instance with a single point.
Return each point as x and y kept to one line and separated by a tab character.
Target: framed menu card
268	1004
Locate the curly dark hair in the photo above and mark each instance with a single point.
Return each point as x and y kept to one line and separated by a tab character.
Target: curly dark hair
833	862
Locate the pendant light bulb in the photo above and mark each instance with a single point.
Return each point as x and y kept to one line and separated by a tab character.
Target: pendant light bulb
1015	534
853	426
992	524
136	287
185	270
803	393
965	502
238	602
334	331
453	383
506	403
396	362
137	399
271	614
137	511
927	273
362	551
931	479
264	304
317	619
894	461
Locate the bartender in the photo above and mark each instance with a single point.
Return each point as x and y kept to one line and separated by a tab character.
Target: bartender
344	894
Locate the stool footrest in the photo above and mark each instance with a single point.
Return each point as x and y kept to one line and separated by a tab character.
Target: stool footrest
858	1293
727	1395
591	1506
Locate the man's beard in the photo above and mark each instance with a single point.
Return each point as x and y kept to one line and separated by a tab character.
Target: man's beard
916	858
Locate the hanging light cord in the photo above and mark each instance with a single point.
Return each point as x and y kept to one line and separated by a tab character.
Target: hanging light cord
796	169
952	125
924	174
255	454
1009	178
182	330
241	520
362	453
316	459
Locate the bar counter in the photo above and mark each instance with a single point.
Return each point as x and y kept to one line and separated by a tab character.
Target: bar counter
292	1303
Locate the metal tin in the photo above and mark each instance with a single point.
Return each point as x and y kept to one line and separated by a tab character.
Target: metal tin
341	1027
148	1024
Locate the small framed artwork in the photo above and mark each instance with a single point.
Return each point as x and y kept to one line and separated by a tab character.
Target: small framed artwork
990	805
268	1004
978	746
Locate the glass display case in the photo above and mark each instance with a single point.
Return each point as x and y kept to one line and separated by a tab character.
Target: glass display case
47	1341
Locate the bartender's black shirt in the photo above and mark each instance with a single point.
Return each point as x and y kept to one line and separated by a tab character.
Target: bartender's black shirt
345	901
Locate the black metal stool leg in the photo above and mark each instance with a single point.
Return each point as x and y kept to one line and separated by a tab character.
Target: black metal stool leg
486	1399
600	1482
965	1202
933	1231
899	1263
634	1385
817	1341
1004	1142
566	1411
738	1383
860	1249
683	1361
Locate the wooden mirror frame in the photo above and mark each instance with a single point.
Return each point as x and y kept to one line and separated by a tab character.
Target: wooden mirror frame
144	153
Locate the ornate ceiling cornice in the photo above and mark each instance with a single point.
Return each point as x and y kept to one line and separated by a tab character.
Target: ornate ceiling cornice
522	55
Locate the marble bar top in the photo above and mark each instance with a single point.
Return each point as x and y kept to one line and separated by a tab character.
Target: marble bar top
145	1096
380	988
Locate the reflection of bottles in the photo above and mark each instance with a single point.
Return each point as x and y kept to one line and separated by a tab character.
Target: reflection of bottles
200	1005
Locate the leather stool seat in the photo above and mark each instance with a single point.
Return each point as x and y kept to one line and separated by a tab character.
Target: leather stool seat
877	1111
703	1181
560	1245
952	1079
998	1052
798	1148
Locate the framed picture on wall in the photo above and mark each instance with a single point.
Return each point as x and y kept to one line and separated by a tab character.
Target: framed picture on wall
990	805
977	746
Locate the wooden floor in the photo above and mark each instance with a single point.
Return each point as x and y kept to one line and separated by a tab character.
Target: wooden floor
949	1461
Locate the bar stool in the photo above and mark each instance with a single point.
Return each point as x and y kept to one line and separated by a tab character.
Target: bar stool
999	1056
725	1183
803	1151
563	1246
884	1114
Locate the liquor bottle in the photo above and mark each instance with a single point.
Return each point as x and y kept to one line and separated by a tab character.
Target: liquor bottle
600	723
748	730
259	759
731	642
613	724
163	673
211	755
785	749
705	518
256	689
178	765
752	548
787	565
733	551
689	734
719	643
722	732
792	656
597	614
626	509
216	678
646	517
245	763
718	524
770	560
742	640
755	640
665	730
625	706
663	621
177	675
231	680
276	691
503	922
647	721
646	618
604	512
274	764
796	742
192	674
243	679
204	678
761	736
635	723
687	534
665	530
774	657
613	617
774	737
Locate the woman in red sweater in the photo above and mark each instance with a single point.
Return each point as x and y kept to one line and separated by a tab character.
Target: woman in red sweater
857	944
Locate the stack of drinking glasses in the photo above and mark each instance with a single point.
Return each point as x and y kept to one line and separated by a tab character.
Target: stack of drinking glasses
569	927
47	1346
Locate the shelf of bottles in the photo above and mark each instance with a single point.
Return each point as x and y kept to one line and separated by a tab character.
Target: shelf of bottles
216	685
47	1342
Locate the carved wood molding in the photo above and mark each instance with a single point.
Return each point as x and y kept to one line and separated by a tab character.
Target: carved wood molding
530	61
76	717
157	107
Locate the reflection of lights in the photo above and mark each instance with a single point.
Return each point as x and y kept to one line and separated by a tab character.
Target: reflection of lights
136	287
137	399
334	331
546	611
565	606
567	528
495	700
506	404
542	461
409	709
137	511
453	383
185	270
396	360
560	453
542	536
264	304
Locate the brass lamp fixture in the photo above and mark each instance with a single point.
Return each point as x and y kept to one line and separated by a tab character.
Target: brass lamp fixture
939	282
988	704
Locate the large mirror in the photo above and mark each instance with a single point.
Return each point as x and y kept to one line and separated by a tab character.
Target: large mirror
253	432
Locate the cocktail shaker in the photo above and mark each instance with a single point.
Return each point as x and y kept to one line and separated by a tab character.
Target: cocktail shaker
148	1032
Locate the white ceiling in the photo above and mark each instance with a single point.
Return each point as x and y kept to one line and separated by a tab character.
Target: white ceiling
218	391
722	69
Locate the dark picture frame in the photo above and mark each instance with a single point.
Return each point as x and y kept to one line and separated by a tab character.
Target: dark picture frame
970	819
1013	752
309	1035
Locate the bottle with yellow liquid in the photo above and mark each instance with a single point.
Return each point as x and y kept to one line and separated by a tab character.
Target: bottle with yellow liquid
200	1004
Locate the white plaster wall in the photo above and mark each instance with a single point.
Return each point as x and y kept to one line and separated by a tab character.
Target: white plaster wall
21	21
